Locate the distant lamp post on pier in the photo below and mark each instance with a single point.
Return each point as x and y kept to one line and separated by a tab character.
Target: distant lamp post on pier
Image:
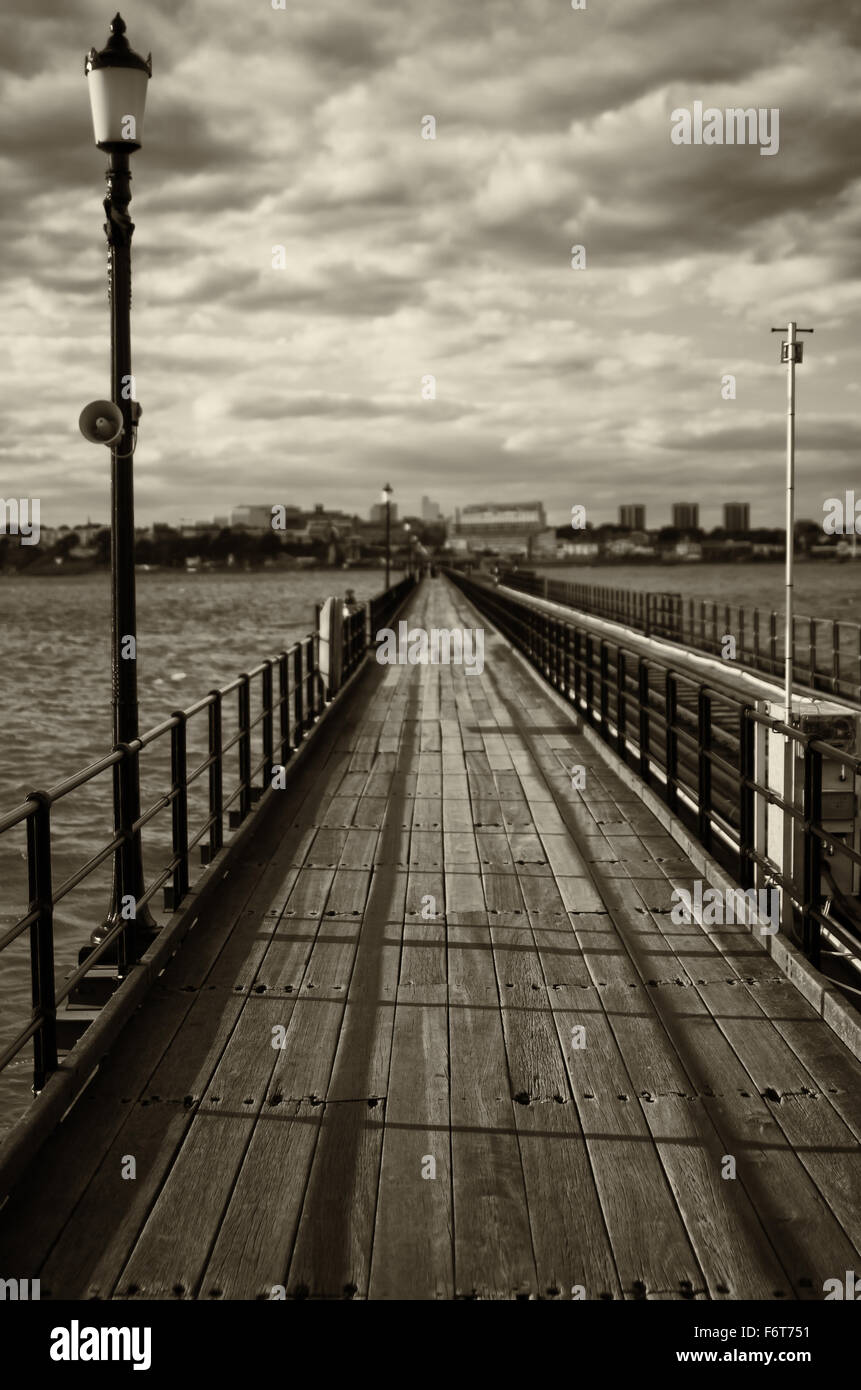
409	540
791	352
117	79
386	496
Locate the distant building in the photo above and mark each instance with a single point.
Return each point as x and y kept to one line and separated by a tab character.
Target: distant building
686	516
688	550
736	517
378	512
508	528
257	517
544	545
430	510
632	516
88	531
578	550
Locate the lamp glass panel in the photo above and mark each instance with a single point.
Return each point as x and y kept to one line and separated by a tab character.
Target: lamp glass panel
115	95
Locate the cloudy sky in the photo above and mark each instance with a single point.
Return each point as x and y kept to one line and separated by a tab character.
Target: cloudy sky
406	257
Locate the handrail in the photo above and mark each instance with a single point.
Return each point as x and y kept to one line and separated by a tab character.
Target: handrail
826	651
694	745
290	705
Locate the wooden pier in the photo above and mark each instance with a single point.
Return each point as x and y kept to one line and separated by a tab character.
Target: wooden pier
430	919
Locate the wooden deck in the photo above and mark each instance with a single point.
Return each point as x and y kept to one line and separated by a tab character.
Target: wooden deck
411	1037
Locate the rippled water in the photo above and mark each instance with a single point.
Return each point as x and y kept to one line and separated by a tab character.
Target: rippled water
823	588
195	632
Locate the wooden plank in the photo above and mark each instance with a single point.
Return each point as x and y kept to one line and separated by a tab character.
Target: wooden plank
493	1245
413	1251
332	1254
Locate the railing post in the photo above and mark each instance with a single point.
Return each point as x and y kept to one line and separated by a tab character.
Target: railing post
590	680
298	703
284	706
670	693
746	818
216	781
42	939
315	684
604	665
621	699
568	632
179	811
643	700
244	711
772	639
704	767
266	724
812	865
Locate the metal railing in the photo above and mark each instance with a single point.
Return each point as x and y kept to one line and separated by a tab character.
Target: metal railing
272	709
695	745
826	651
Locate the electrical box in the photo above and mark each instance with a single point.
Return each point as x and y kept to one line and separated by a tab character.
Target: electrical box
841	792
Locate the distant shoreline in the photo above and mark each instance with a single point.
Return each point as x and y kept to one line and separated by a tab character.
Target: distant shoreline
84	570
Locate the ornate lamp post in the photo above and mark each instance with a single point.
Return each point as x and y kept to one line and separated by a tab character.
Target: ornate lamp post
117	79
387	503
409	541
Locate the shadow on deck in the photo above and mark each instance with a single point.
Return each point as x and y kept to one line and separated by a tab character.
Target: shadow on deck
360	1076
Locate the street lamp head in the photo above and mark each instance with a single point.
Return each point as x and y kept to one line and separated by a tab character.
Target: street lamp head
117	79
386	493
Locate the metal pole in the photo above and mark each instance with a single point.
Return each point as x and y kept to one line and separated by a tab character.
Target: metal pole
790	516
791	354
388	526
118	229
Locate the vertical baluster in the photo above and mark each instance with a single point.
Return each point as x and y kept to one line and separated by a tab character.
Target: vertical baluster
216	778
670	748
704	767
268	749
244	703
621	698
179	811
283	707
746	818
42	939
298	707
643	697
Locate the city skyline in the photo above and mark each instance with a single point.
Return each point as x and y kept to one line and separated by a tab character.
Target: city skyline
405	258
719	515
